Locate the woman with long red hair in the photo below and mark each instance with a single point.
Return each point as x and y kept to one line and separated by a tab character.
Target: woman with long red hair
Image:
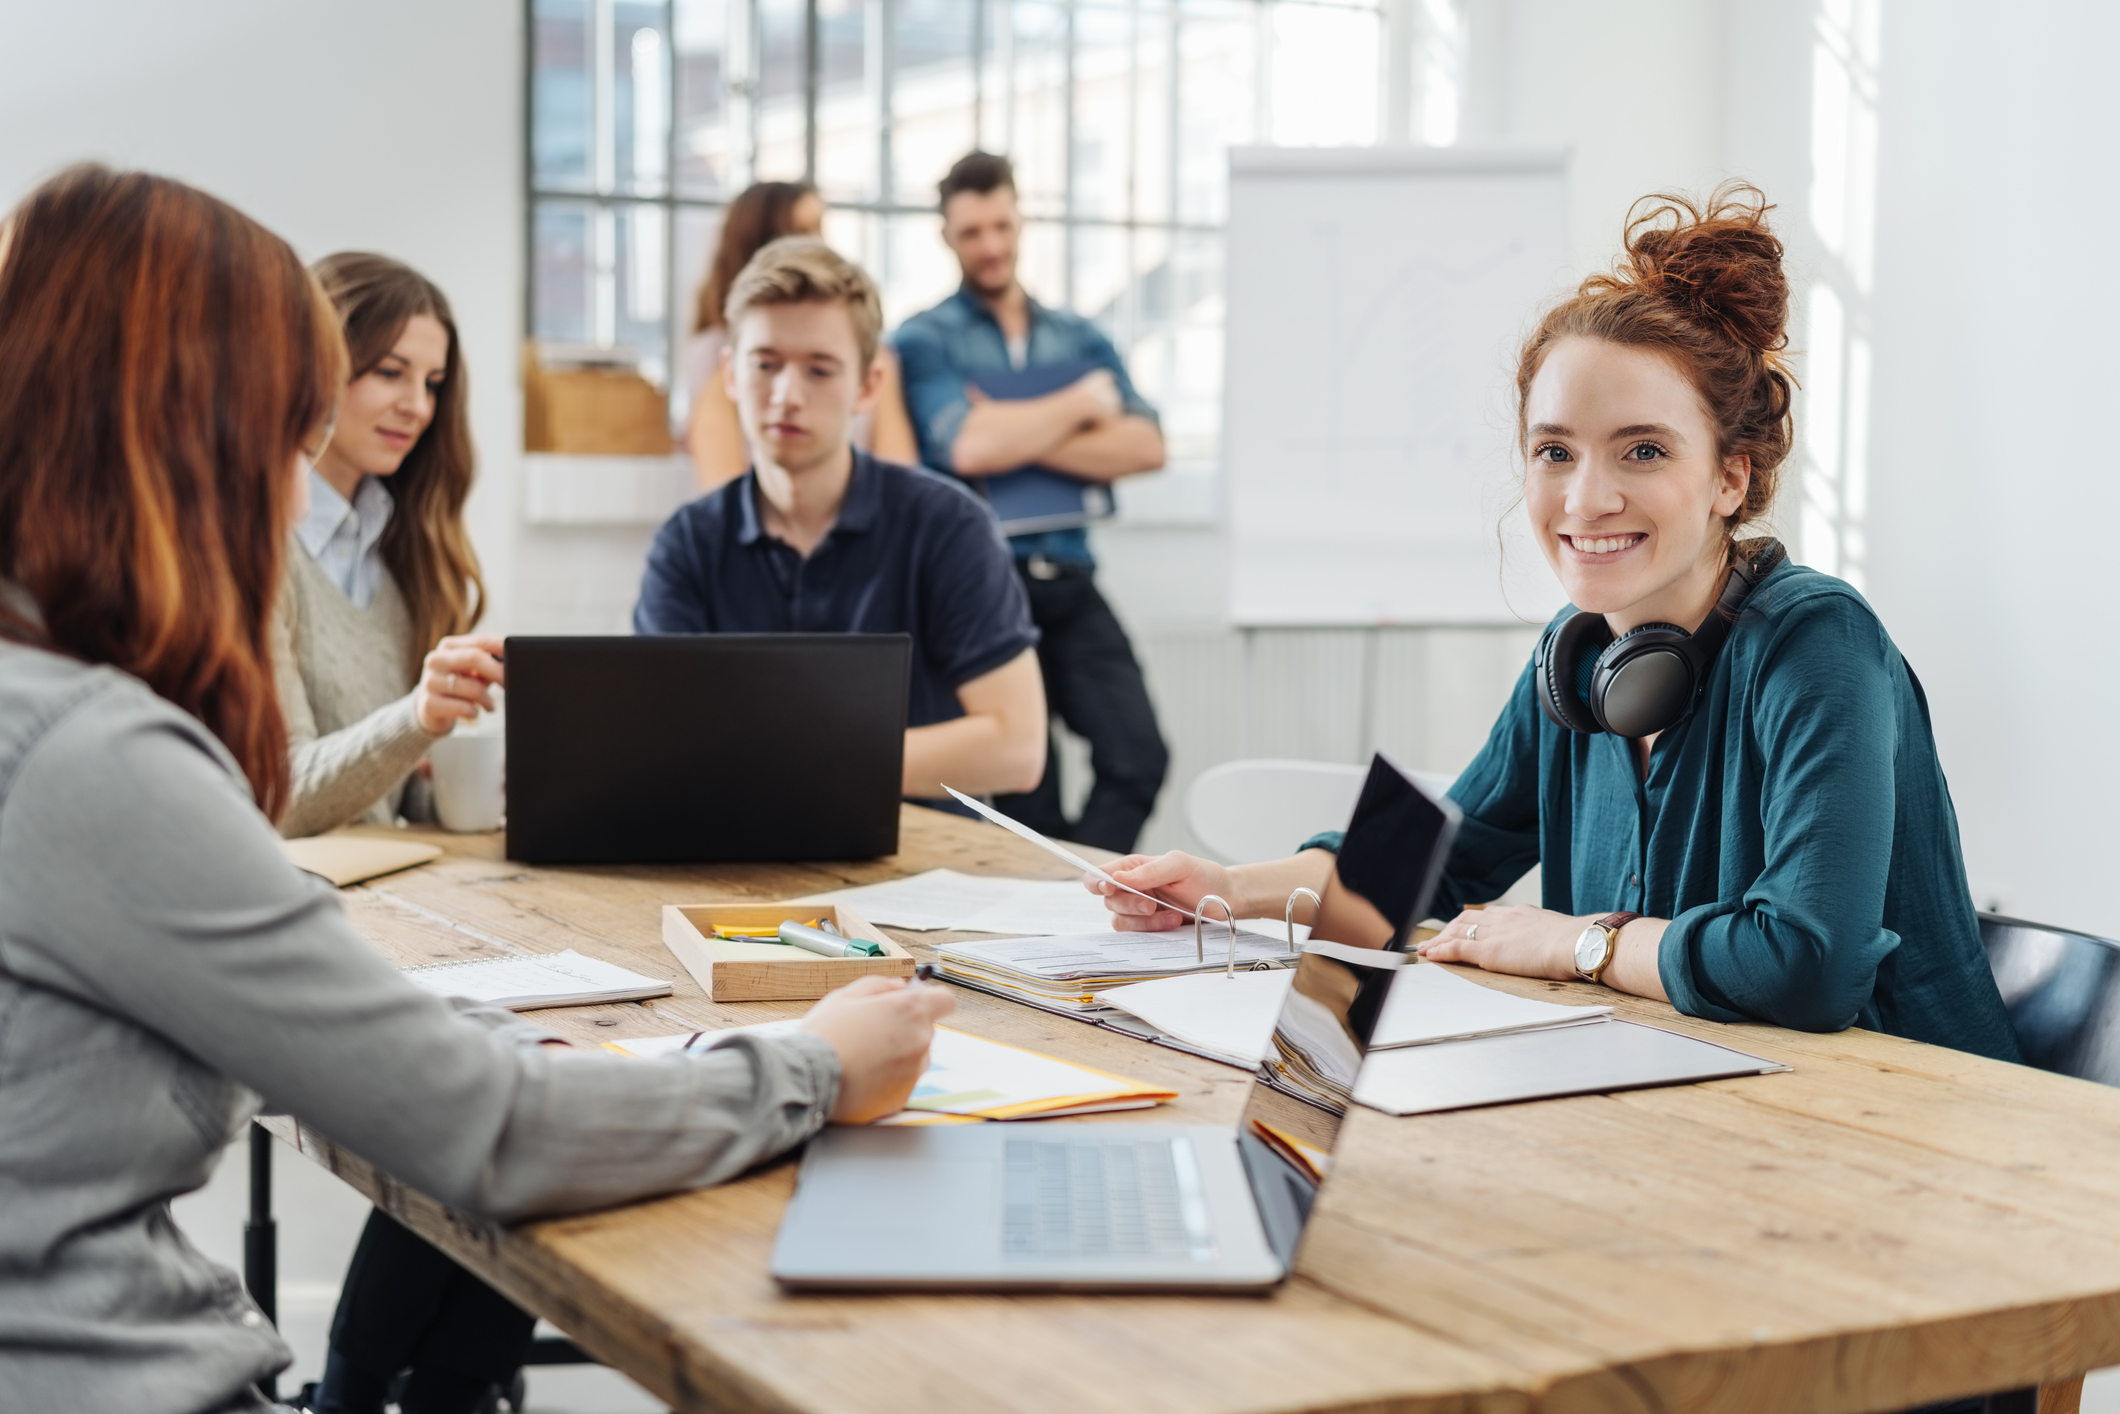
164	364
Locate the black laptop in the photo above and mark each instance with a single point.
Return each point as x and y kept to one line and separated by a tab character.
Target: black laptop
704	747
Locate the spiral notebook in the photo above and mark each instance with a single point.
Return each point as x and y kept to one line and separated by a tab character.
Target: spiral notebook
523	983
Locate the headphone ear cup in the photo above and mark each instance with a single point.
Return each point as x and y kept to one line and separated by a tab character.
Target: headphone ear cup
1645	681
1559	661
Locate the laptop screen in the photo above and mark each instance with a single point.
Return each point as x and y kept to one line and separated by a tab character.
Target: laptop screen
1387	867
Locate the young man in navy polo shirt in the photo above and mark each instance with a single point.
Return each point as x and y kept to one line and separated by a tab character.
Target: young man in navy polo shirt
821	538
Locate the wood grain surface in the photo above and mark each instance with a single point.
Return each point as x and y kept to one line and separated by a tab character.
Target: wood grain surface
1889	1224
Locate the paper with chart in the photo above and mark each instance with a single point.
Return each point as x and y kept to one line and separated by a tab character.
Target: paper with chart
1059	851
1232	1017
968	1077
970	903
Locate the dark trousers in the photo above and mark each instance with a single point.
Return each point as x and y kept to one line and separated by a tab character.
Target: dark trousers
1093	684
407	1306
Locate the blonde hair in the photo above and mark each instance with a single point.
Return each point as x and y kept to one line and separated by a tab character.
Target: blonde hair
804	270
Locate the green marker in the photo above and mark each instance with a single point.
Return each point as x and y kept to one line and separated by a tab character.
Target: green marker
825	944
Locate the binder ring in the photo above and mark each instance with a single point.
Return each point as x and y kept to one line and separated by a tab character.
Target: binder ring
1229	917
1288	914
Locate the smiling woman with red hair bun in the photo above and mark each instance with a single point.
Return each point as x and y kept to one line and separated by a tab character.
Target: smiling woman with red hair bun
1718	759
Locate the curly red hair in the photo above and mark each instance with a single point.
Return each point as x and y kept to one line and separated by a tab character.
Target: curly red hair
1703	286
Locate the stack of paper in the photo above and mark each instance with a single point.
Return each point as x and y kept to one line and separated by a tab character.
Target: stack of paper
1231	1018
521	983
1068	972
969	1078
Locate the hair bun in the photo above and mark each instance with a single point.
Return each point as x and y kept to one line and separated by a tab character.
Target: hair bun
1719	263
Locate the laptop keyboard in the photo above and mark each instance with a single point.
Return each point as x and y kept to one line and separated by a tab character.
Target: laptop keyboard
1094	1198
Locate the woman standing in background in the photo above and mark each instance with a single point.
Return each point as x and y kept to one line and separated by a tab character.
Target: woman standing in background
763	213
382	571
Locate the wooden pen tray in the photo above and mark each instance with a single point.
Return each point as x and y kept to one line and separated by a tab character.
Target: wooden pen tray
732	971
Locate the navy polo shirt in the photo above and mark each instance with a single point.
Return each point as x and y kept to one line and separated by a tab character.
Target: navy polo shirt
912	552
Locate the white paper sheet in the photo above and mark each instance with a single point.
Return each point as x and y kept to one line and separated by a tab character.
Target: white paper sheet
940	898
1234	1016
1059	851
553	979
1042	907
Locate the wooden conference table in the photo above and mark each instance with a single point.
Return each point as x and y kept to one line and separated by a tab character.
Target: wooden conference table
1890	1224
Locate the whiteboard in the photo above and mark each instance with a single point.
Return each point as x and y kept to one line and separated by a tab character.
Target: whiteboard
1377	298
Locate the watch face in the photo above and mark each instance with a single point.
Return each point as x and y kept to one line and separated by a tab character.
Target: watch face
1590	949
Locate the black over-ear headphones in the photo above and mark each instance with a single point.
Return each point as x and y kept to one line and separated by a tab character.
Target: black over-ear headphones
1641	682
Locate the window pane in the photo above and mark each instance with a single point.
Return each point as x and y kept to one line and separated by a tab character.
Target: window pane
1176	354
849	98
559	277
1217	45
1042	265
913	266
1034	118
599	277
1324	76
778	107
931	94
640	100
712	150
561	92
1151	99
1104	116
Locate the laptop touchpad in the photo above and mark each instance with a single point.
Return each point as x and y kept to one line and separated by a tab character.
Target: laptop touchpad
854	1196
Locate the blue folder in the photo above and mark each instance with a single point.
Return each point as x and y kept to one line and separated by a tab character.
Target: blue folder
1035	498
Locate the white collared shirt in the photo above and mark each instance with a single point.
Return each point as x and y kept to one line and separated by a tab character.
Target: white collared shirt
345	538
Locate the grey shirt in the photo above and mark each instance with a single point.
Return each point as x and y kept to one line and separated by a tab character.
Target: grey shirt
163	968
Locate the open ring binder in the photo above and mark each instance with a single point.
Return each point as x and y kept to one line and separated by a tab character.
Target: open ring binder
1229	920
1288	914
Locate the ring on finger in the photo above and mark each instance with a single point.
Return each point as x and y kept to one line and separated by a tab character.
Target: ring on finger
1472	933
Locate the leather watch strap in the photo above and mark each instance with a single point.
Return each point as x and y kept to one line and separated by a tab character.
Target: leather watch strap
1611	923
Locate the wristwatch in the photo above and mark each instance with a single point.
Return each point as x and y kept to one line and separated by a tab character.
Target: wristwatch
1594	949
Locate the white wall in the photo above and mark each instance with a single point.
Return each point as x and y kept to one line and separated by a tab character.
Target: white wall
391	126
1993	498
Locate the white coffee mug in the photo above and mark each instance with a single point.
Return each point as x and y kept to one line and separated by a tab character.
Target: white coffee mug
470	780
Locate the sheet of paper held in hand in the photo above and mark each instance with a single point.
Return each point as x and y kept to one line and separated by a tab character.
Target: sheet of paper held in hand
1059	851
946	899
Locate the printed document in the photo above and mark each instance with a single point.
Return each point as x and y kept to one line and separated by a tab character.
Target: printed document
970	1077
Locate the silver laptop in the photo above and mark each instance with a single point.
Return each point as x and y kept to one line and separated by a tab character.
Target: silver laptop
1073	1206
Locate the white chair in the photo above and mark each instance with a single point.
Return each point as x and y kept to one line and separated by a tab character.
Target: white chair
1248	810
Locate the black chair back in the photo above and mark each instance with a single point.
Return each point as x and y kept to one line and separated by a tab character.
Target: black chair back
2062	990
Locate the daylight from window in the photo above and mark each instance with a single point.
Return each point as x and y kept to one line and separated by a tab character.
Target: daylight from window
1118	116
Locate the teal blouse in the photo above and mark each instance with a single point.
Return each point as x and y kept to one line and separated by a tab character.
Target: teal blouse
1795	828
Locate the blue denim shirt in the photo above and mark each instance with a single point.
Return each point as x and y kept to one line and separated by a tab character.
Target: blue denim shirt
941	347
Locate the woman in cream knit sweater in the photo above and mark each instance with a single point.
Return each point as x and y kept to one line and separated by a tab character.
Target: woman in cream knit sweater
370	636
